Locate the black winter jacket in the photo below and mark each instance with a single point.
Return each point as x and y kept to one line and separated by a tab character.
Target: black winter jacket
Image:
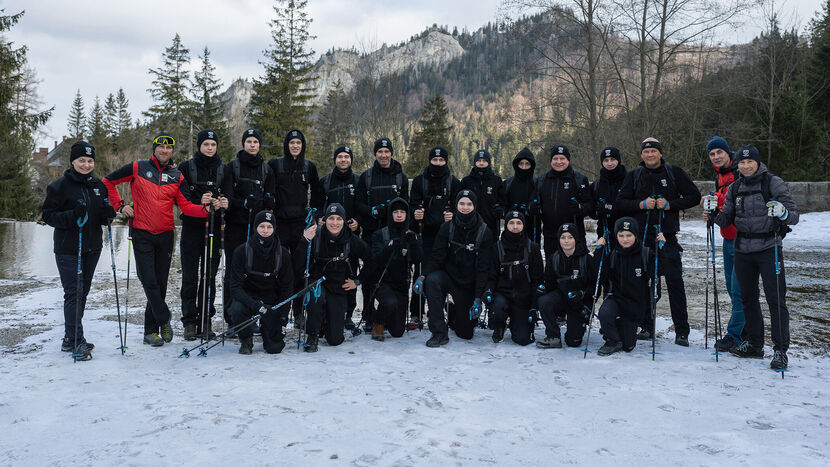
628	279
248	285
604	192
252	191
386	185
458	257
207	170
326	258
554	195
566	274
489	189
438	197
517	277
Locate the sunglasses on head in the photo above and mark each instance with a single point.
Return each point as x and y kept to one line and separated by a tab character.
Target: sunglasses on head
165	140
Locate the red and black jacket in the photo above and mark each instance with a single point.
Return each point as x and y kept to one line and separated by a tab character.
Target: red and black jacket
154	190
726	175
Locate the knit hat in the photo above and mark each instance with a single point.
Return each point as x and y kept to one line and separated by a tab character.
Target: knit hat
383	143
560	149
163	138
439	151
346	149
336	209
264	216
568	227
514	215
651	143
81	149
251	132
527	155
482	154
470	194
293	134
206	135
610	151
628	224
717	143
748	151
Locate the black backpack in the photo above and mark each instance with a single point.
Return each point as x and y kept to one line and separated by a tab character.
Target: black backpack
235	167
482	228
525	261
249	261
306	169
640	171
326	182
192	171
397	186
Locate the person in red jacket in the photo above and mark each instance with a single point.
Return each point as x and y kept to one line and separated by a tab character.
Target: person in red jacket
727	169
155	185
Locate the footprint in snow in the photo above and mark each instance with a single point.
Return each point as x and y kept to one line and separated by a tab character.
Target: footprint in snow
759	425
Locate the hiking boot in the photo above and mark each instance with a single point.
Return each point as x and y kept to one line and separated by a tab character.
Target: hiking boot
167	332
377	333
68	346
747	350
310	344
367	328
82	353
779	360
550	343
190	332
644	335
498	335
608	348
246	346
153	339
349	325
681	340
437	340
414	323
725	344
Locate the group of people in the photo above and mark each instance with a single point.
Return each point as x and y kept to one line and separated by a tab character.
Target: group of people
282	227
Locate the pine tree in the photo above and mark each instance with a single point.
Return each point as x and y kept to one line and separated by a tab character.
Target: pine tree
95	125
18	121
333	127
169	92
77	117
208	109
435	131
282	96
110	117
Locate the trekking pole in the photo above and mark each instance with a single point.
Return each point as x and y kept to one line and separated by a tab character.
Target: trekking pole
778	285
596	296
356	331
716	316
127	296
420	271
309	221
204	280
657	247
210	283
115	285
79	283
706	313
248	322
224	264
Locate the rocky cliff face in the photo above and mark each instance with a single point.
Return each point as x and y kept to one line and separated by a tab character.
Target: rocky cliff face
435	48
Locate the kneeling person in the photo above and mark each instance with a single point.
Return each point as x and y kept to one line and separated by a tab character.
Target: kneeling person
627	282
516	272
261	276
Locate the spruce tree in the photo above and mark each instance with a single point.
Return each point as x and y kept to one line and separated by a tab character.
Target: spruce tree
282	96
208	109
18	122
97	135
170	95
435	131
333	127
110	117
77	117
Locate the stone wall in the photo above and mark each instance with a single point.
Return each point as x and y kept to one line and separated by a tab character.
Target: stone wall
808	196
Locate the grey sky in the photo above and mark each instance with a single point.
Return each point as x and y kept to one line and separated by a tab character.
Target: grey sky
99	46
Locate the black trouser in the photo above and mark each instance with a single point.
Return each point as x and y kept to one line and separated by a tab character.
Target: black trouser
521	323
368	283
235	235
615	326
391	310
436	287
152	264
416	303
554	304
270	324
289	232
192	248
748	266
68	270
670	266
327	314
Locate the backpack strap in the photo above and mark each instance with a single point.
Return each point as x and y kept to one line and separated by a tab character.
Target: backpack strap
249	261
260	184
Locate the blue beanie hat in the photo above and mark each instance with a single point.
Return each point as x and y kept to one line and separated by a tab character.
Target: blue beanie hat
718	143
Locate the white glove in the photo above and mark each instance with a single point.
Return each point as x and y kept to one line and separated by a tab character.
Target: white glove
776	209
710	203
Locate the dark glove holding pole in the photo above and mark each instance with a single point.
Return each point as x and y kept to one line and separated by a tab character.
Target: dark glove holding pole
573	206
475	310
248	203
261	308
80	210
410	237
418	285
109	211
488	297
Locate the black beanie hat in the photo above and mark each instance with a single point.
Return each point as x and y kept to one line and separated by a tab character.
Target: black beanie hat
628	224
163	138
81	149
610	151
569	227
249	133
293	134
346	149
482	154
748	151
653	143
335	209
383	143
514	215
560	149
264	216
466	194
439	151
205	135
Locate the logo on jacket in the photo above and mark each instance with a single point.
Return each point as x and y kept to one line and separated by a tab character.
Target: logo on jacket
489	190
567	185
638	272
575	274
663	182
97	191
149	174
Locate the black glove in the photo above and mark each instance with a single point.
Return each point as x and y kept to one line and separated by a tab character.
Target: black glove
410	237
261	308
573	207
249	202
379	211
487	297
109	213
79	211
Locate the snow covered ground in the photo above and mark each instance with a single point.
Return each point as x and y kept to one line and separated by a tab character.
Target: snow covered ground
399	402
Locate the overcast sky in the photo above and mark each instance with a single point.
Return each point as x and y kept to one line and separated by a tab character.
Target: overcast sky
99	46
